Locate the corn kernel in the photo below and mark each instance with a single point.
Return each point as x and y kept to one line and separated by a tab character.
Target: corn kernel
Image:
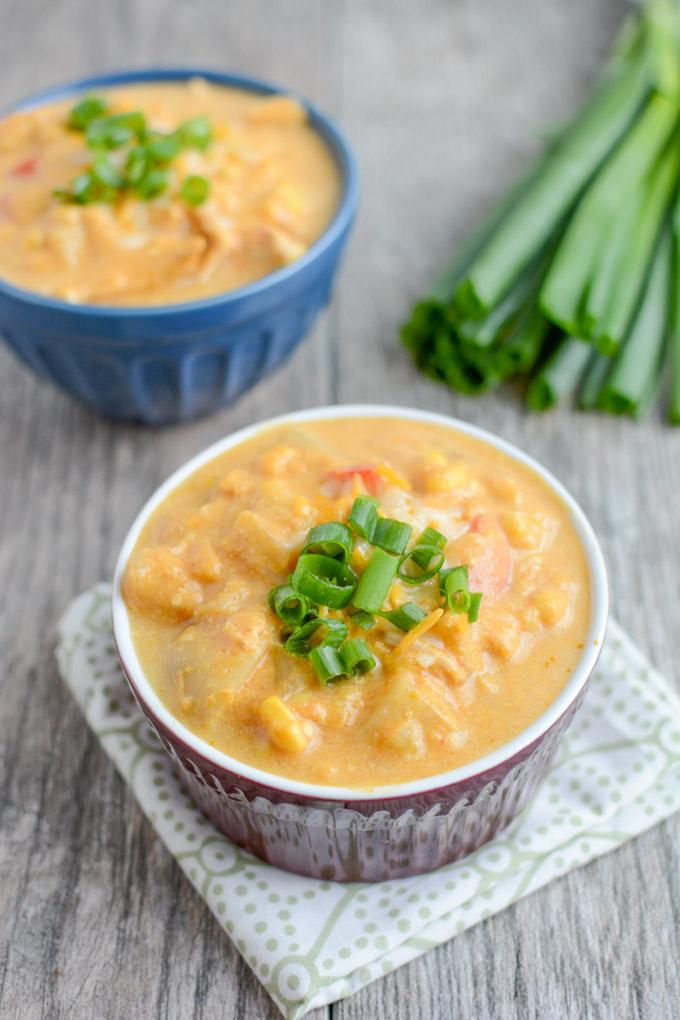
552	604
524	531
284	728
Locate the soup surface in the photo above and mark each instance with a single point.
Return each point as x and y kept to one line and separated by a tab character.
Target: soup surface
439	696
273	188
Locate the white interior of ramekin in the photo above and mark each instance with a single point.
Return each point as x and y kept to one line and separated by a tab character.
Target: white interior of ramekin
595	637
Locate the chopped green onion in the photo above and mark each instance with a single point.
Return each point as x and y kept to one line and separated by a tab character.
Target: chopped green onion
195	189
332	663
112	132
289	605
392	536
105	173
326	581
376	581
307	637
430	555
163	148
195	133
406	616
84	112
154	182
430	537
363	517
357	657
363	619
83	188
473	607
327	664
453	584
332	539
137	164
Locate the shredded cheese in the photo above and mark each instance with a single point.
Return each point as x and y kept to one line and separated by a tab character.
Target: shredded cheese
388	474
420	629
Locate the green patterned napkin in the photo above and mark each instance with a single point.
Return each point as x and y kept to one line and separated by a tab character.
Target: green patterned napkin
312	942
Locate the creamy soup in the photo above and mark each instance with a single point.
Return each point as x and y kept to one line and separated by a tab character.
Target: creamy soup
441	694
267	188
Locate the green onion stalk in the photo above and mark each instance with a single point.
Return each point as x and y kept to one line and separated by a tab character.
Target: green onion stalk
566	284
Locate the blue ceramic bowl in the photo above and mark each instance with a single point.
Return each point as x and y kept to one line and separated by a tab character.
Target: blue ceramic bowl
170	363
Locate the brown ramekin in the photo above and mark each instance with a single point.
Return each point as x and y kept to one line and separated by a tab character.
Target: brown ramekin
348	834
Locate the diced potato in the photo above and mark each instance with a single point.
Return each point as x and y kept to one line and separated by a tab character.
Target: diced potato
237	482
448	478
524	531
281	460
284	728
552	605
505	489
420	697
249	631
407	738
204	563
230	598
158	582
502	635
253	541
529	619
528	573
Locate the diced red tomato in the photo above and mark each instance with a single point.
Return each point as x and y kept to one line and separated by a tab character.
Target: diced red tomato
490	572
26	168
368	474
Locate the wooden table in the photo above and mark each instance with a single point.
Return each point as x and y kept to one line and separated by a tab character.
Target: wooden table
445	101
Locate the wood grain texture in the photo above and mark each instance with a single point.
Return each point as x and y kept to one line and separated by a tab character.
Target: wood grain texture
445	102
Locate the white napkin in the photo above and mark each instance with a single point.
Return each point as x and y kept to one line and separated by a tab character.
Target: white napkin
312	942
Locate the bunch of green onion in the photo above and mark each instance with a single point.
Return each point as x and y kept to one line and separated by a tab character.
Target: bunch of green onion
573	284
323	577
142	157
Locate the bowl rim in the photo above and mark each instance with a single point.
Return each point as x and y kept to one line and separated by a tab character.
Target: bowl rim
599	607
324	125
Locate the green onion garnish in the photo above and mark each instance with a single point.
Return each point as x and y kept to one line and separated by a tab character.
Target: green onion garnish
453	584
332	663
376	581
473	608
84	112
326	581
136	165
406	616
163	148
323	577
105	173
332	539
146	161
430	555
195	189
152	183
363	619
114	131
363	517
289	605
327	663
430	537
328	632
195	133
357	656
392	536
